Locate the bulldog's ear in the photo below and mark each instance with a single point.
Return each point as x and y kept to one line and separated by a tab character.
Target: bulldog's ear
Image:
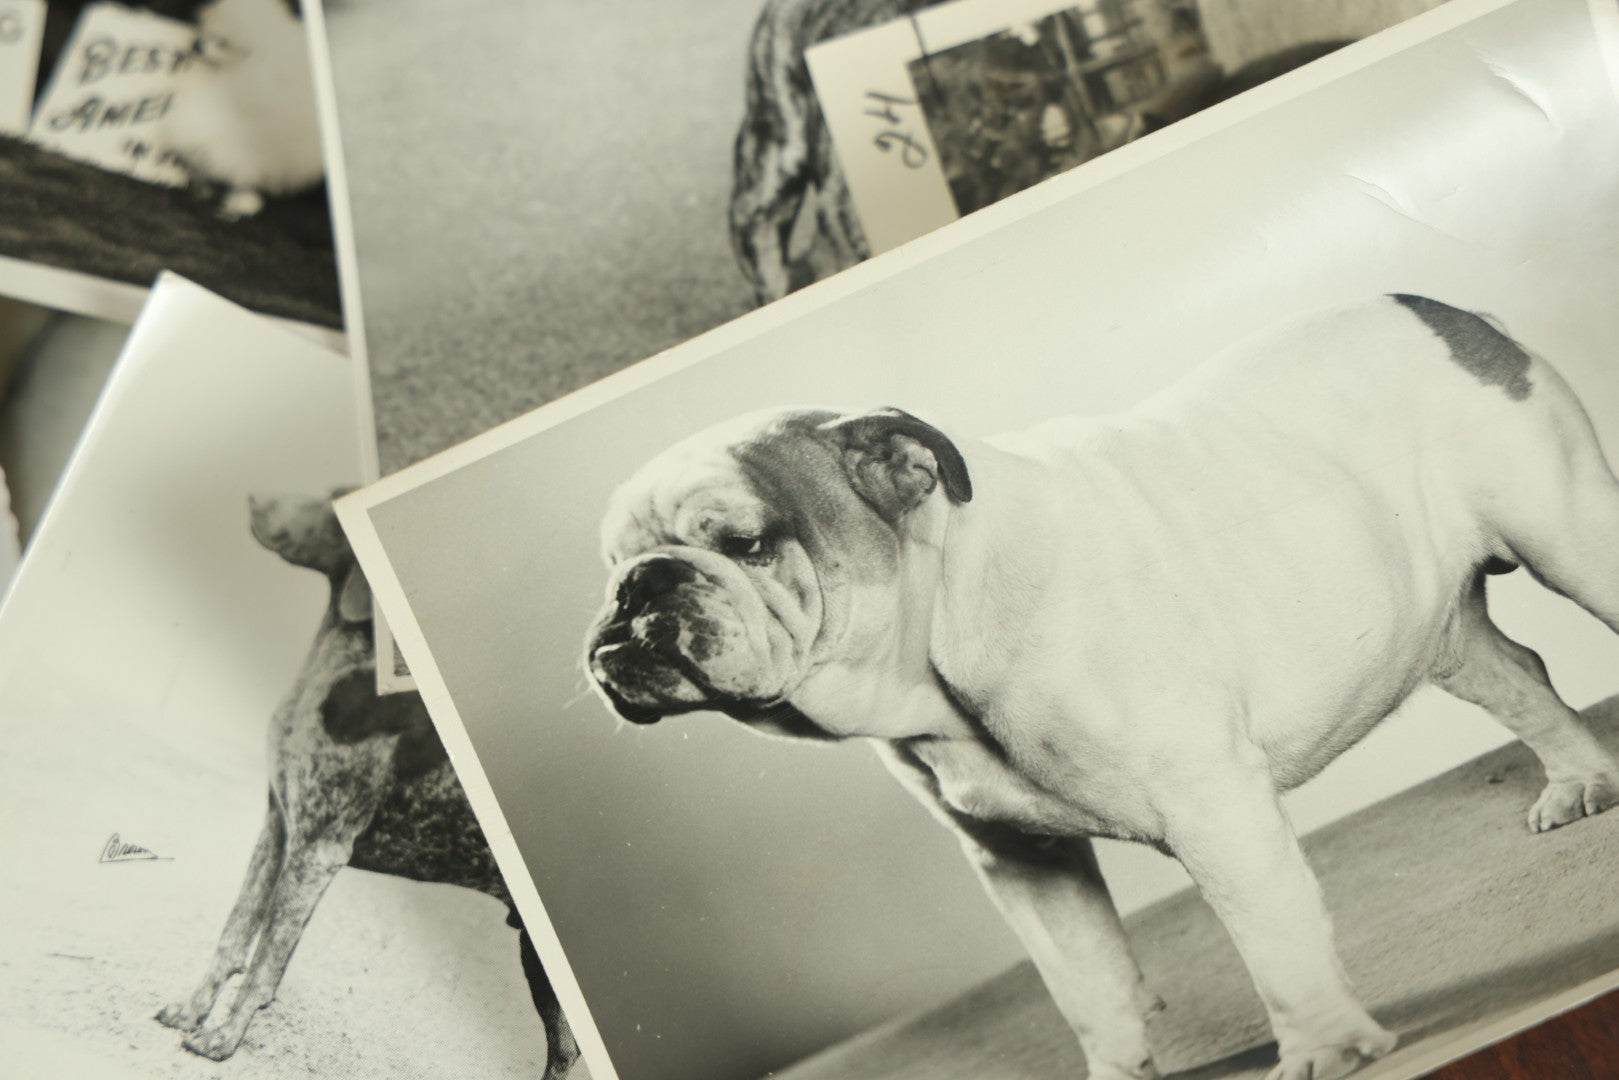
354	600
894	461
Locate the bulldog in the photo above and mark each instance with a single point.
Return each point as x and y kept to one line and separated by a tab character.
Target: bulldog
1144	627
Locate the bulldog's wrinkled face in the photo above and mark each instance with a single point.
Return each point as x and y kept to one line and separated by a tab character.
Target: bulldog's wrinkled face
737	556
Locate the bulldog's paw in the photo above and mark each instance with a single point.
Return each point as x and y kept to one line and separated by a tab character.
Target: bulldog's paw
179	1015
1564	801
1121	1051
1337	1059
216	1043
1142	1070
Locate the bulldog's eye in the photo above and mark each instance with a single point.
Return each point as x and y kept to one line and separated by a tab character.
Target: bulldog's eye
746	548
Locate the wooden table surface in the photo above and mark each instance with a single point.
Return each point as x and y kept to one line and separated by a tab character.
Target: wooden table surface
1579	1045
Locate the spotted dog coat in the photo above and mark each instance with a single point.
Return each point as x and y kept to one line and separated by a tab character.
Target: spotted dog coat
355	780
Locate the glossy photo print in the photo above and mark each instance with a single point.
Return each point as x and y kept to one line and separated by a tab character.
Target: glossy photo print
1211	544
228	855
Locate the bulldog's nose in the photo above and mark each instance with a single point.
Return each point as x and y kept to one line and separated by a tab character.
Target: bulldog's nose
653	577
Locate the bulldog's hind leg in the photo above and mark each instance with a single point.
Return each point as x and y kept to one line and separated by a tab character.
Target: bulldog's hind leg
1557	507
1510	682
243	925
561	1049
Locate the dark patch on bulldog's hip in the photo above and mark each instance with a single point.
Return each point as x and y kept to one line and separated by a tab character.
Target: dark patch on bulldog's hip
1482	351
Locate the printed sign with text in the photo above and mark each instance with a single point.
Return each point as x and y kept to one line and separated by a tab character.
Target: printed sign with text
114	82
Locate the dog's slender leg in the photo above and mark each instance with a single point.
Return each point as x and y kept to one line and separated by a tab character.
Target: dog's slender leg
1236	842
1558	512
561	1051
309	869
241	927
1510	682
1051	891
329	800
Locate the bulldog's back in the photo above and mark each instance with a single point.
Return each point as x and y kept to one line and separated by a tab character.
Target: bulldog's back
1380	396
1310	500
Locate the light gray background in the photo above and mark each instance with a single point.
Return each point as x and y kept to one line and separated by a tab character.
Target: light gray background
538	191
730	902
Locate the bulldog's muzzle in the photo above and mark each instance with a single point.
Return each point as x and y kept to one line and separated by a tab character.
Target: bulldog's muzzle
635	652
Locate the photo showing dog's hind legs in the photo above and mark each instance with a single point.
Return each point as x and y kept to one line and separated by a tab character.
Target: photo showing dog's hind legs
1563	526
305	875
305	842
242	927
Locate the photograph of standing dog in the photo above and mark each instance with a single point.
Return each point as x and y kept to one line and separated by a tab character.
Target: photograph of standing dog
1228	628
1144	627
356	780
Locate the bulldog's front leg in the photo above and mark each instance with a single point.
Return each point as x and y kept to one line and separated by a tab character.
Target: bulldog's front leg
1229	830
1051	892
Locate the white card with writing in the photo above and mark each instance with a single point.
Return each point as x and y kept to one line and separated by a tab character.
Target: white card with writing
114	82
881	135
22	28
958	105
877	109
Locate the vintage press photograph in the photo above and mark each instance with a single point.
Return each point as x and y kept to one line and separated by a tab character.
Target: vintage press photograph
1183	557
236	858
1212	543
164	135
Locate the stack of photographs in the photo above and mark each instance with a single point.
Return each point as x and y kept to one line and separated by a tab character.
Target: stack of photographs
729	904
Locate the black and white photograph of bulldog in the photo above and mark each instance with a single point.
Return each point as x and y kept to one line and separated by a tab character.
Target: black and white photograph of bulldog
1217	553
1305	526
